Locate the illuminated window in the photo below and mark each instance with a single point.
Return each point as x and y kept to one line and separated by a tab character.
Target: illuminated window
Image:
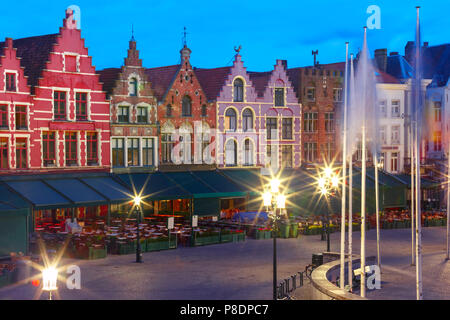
71	148
21	118
118	152
48	148
147	152
21	153
92	148
4	153
3	116
133	152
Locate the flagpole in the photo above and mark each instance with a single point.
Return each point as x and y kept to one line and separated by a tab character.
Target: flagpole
344	178
418	88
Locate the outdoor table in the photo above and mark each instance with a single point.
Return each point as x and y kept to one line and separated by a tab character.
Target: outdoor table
39	229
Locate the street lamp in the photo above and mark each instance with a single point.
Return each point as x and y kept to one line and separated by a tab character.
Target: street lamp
49	279
273	200
327	183
137	210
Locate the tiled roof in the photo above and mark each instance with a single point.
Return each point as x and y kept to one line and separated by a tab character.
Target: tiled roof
433	57
34	53
294	76
161	79
398	67
383	77
260	80
108	77
212	80
436	63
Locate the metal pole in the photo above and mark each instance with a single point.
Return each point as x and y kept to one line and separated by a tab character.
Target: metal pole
413	203
363	189
377	209
275	257
328	233
448	203
350	223
418	182
344	178
350	197
138	246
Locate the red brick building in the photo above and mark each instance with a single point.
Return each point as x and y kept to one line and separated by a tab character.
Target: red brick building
187	120
56	114
320	91
134	123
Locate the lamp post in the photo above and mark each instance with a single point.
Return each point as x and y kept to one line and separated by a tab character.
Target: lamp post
328	183
49	279
274	200
137	210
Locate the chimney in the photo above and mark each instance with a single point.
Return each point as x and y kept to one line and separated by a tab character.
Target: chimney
9	43
283	63
409	51
381	59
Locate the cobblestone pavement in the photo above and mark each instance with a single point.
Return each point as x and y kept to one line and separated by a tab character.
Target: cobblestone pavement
244	270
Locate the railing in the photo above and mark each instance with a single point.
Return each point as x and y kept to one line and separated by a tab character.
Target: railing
289	285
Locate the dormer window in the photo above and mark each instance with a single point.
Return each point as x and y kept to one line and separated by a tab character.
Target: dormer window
10	82
186	110
279	97
238	85
133	87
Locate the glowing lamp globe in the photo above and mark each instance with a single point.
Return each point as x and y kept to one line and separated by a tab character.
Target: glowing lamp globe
275	185
335	181
328	172
49	278
267	198
137	200
281	201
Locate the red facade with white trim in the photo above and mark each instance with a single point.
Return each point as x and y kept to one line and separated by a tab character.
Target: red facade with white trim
49	67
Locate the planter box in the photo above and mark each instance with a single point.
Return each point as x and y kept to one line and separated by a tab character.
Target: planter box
6	278
259	234
206	240
97	253
293	230
156	245
284	231
228	237
126	248
267	234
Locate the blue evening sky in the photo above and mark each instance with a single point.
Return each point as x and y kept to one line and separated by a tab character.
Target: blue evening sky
267	30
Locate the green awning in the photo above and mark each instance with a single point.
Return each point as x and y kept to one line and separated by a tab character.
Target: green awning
249	180
11	202
154	186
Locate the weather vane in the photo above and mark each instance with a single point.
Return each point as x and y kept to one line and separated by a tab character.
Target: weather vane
237	49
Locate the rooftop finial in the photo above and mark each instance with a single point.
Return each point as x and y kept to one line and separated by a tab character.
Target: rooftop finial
184	37
238	49
132	33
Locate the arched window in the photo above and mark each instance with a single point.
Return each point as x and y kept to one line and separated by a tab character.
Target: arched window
186	107
248	153
133	87
168	110
204	111
247	120
231	153
238	90
230	120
